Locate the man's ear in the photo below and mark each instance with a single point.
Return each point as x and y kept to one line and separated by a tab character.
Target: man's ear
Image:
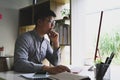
39	21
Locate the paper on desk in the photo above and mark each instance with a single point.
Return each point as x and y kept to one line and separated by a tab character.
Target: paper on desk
67	76
34	76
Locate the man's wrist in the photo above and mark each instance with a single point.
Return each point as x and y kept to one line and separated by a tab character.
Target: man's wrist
46	68
56	45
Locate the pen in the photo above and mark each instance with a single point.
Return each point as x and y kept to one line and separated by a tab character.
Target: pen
106	61
112	55
110	58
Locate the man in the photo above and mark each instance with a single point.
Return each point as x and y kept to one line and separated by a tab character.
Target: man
31	48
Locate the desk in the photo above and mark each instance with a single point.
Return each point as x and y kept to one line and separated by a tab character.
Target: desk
115	70
85	72
11	75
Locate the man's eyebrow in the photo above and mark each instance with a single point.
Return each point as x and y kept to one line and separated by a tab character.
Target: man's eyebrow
51	20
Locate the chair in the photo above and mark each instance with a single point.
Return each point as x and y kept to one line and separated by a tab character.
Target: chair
6	63
3	64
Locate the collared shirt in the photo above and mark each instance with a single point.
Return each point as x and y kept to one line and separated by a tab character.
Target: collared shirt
31	50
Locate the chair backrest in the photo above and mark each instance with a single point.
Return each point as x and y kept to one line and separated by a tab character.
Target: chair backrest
6	63
3	64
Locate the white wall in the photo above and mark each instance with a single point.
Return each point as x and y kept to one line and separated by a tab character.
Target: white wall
78	31
98	5
8	29
9	23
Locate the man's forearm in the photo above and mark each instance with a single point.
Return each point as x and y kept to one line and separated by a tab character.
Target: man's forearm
26	66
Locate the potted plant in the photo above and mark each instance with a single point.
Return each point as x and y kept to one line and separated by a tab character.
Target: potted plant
65	13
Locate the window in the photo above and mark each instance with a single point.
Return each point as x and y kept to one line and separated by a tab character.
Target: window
110	28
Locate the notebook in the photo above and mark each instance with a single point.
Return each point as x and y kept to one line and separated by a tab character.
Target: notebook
68	76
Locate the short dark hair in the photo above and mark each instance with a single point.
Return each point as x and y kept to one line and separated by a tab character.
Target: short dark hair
41	14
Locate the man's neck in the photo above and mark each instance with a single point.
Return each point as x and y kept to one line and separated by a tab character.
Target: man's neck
39	31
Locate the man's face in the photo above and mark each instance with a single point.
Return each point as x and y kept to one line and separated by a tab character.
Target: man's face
47	24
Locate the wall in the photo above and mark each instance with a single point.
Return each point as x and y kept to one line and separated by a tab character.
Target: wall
8	29
9	23
78	31
14	4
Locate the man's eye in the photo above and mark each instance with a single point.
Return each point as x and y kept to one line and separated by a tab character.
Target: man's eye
52	21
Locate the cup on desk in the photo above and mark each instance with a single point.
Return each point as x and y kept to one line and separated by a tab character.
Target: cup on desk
102	71
88	61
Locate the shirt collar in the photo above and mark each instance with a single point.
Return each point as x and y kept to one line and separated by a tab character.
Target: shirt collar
37	36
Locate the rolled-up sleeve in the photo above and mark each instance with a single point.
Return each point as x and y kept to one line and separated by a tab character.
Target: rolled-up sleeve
21	62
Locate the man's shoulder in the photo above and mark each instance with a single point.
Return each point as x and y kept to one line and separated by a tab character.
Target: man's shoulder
26	35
